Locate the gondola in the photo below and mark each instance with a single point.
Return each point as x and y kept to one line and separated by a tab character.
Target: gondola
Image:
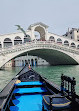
29	91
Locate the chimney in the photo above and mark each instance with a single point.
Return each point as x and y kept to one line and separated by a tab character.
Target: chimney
68	30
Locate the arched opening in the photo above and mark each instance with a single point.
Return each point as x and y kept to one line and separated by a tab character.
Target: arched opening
32	62
36	62
51	38
39	33
77	46
66	43
55	58
17	40
22	63
59	41
77	38
73	45
7	42
0	45
27	38
26	62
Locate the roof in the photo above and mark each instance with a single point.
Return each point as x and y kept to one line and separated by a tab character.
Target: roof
38	23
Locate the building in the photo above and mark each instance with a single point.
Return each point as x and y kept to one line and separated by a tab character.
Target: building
32	60
72	34
21	61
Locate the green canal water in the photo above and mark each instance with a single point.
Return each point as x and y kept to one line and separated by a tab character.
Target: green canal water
53	73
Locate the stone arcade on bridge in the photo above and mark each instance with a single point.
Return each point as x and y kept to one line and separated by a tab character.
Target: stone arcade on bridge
48	46
37	31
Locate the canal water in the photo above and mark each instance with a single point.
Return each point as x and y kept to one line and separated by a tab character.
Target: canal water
53	73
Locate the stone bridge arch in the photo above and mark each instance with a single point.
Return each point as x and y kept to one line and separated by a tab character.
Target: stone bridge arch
55	58
52	55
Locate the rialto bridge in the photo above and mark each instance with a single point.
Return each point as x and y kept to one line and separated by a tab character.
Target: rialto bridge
51	47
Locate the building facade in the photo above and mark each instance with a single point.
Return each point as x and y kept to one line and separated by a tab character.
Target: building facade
21	61
72	34
32	60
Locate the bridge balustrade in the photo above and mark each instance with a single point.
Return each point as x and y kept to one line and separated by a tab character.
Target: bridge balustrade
41	44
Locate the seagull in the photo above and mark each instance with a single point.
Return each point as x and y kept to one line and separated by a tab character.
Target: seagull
19	28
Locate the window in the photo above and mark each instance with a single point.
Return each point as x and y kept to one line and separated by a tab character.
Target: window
66	34
0	45
7	42
59	41
28	61
70	32
17	40
73	45
27	39
77	46
51	38
77	38
66	43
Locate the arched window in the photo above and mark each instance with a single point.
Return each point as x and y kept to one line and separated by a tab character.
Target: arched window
36	62
66	43
77	38
28	61
22	63
32	62
7	42
51	38
77	46
59	41
17	40
73	44
28	35
27	39
0	45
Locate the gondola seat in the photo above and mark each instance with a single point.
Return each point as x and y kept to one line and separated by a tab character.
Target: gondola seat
29	90
29	83
58	102
14	108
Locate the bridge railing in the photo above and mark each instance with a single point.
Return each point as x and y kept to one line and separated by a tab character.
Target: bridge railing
40	44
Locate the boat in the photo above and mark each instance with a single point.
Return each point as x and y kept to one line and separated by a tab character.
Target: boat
30	91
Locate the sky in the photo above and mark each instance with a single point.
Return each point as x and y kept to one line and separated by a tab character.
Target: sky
57	14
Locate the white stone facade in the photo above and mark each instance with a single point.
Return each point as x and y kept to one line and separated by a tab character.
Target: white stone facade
21	61
32	60
72	34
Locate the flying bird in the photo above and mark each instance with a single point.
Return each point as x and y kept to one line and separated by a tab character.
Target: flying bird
19	28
